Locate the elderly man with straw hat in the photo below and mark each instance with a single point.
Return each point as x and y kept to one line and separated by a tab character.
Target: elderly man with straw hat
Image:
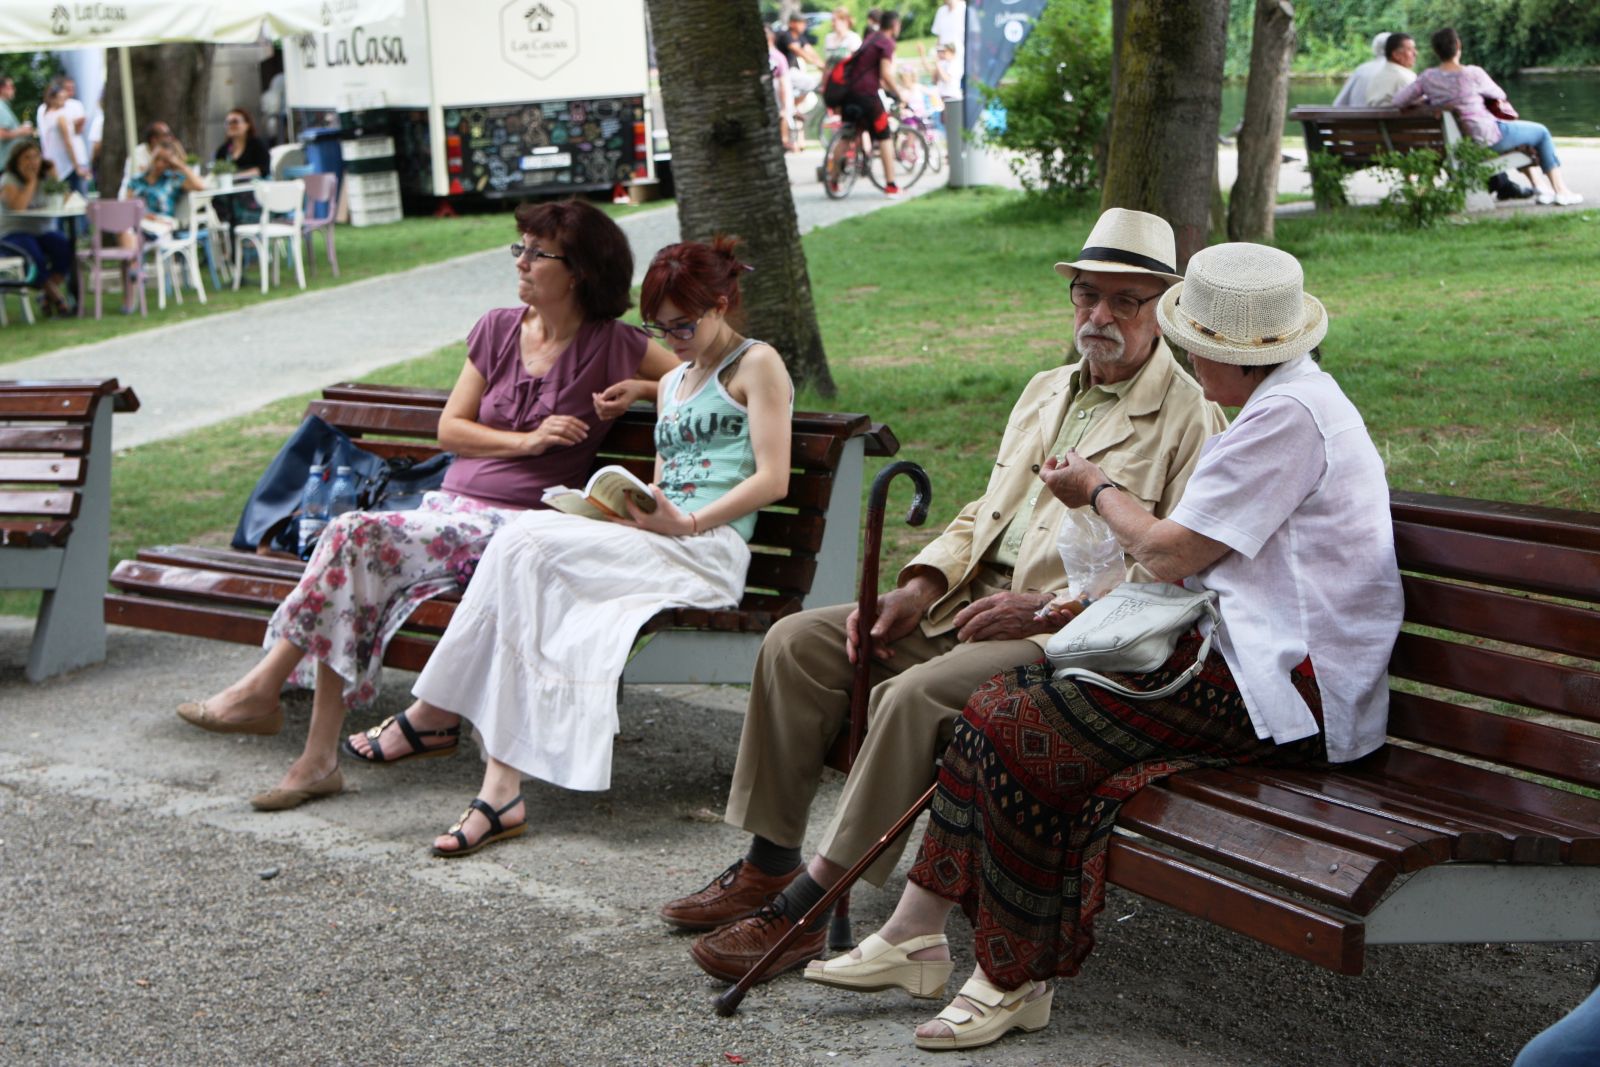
969	605
1286	519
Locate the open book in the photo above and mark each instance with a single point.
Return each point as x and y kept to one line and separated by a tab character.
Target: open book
603	497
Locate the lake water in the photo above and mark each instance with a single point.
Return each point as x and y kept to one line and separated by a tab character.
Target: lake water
1567	103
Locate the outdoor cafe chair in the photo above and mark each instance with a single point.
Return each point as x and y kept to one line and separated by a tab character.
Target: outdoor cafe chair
114	218
275	198
16	279
322	198
182	243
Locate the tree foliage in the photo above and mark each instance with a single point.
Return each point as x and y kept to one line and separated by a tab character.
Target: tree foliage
1057	97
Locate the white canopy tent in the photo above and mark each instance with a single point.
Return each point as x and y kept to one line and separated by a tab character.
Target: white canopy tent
39	26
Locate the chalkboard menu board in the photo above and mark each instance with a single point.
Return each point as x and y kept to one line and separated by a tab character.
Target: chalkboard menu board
517	149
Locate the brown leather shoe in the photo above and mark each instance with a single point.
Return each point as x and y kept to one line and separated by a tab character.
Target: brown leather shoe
733	894
730	952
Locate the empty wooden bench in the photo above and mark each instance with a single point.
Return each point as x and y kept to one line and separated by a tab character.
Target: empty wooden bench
55	511
803	552
1357	135
1478	822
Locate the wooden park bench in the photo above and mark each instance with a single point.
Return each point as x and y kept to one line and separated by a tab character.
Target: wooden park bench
803	552
1478	822
1357	135
55	511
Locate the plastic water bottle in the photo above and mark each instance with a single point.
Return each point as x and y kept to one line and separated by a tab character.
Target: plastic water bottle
313	510
343	496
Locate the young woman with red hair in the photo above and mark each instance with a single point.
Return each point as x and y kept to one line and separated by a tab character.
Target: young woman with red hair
534	651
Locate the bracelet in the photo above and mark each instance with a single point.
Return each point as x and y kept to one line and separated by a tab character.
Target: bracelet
1094	494
694	525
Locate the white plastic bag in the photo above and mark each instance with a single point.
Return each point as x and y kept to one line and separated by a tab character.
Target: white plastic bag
1091	555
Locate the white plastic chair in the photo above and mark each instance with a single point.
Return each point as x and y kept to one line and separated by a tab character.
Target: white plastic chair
182	243
14	271
275	198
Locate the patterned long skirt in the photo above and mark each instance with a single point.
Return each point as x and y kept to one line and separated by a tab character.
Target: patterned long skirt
369	571
1032	783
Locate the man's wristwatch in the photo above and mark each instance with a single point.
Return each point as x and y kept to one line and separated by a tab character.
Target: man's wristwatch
1094	494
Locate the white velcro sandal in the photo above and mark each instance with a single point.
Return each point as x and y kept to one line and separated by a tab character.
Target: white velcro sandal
886	966
999	1011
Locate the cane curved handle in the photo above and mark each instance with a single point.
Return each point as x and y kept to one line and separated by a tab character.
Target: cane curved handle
922	491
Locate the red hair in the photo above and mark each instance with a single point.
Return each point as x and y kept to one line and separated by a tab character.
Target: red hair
693	276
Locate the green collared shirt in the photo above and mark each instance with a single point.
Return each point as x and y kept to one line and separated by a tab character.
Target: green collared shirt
1086	406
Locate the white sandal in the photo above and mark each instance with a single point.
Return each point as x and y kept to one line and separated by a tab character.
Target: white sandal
999	1012
886	966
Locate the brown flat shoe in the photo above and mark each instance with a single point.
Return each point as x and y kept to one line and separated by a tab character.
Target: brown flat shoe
196	712
729	897
732	951
284	799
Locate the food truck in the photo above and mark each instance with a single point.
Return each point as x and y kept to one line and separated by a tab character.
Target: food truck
489	98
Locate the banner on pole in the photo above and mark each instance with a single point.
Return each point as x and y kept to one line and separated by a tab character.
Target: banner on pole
995	30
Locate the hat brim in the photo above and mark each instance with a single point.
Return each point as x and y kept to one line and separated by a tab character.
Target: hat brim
1178	333
1107	267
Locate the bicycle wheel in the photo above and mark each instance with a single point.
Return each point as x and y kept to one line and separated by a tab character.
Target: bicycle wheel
910	159
839	167
935	151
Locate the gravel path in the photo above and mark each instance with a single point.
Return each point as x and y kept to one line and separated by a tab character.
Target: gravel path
138	927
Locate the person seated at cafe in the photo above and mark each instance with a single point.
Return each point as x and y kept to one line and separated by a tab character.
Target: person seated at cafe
35	238
243	148
167	177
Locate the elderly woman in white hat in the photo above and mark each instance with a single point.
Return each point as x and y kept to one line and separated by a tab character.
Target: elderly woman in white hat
1286	518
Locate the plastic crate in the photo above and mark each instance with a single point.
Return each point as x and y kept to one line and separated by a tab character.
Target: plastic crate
374	201
365	185
378	217
366	148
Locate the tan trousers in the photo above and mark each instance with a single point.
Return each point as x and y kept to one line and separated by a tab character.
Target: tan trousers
800	700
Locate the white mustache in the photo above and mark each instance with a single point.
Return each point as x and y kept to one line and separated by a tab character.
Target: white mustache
1110	332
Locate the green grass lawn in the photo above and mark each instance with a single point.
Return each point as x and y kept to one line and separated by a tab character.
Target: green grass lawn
1470	349
363	253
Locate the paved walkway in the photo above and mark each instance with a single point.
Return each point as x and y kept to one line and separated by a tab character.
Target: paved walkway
206	370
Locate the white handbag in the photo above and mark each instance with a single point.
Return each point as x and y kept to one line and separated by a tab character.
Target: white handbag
1133	629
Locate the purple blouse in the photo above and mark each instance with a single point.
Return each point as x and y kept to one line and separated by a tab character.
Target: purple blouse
602	353
1461	91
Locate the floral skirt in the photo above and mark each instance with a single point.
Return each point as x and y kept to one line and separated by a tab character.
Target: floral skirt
1032	783
369	571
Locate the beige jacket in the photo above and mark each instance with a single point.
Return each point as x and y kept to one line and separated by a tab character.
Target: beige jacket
1148	443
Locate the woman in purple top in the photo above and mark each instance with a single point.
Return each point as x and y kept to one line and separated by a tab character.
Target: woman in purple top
539	389
1463	89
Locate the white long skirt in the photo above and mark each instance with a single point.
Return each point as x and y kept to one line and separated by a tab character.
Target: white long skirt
534	651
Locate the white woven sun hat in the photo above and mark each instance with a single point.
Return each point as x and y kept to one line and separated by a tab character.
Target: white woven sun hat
1128	242
1243	304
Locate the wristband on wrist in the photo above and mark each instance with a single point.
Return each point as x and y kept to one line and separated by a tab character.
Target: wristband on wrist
1094	495
694	524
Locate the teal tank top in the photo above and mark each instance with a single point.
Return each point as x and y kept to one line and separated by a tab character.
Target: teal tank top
704	442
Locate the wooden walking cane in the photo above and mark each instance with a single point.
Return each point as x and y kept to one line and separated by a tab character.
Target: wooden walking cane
867	614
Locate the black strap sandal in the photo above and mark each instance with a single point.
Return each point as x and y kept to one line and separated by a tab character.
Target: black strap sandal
498	831
413	738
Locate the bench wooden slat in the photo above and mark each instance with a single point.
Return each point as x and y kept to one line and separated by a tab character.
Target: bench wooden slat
1487	672
43	404
397	420
24	533
1515	619
223	559
1329	941
1556	570
54	470
1499	518
1320	870
784	574
1407	847
59	502
44	438
1527	746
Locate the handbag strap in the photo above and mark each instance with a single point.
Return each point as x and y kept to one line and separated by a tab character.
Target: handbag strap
1189	674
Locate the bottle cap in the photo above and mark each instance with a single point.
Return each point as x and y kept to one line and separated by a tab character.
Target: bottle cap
342	471
317	468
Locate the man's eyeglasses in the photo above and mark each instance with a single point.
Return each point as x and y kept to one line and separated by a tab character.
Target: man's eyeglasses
518	251
1123	306
682	333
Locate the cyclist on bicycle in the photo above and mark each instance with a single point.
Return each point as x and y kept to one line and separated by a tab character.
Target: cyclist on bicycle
871	69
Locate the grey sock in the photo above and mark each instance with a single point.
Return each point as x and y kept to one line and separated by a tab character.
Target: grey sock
770	858
799	896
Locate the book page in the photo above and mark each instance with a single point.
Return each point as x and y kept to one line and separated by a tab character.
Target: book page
613	485
560	498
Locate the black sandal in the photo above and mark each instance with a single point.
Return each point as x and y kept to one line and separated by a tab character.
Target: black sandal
498	831
413	737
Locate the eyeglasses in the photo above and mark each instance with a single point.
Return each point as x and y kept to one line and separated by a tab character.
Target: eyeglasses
518	251
1123	306
682	333
235	122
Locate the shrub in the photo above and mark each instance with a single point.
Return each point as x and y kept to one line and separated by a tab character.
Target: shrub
1428	187
1057	97
1328	174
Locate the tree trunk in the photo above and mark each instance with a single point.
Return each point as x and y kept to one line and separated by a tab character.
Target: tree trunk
172	82
1255	192
1164	115
729	171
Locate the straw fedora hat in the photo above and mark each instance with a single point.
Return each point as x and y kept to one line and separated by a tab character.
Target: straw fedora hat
1128	242
1242	304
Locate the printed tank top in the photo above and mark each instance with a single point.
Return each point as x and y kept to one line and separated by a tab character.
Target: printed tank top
704	442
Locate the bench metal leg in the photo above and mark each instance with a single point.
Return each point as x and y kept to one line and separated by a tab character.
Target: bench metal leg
71	630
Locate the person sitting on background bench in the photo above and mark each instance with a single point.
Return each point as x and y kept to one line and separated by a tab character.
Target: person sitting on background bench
1464	89
533	653
1400	56
529	410
965	607
1354	91
1286	518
